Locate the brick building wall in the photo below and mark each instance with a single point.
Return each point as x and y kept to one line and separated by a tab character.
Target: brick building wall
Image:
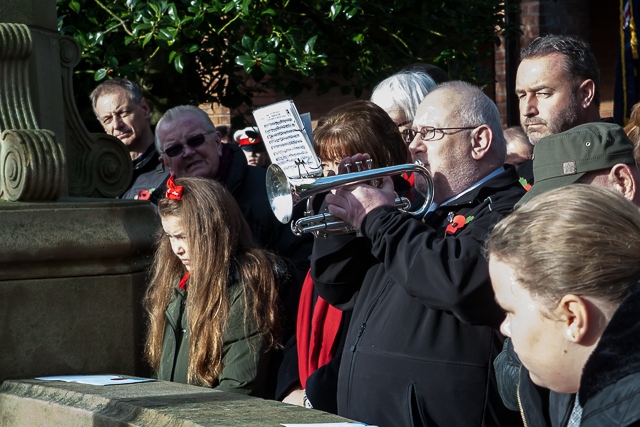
596	21
306	102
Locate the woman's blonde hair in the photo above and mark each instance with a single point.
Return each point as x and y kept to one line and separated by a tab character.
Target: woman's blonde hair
633	131
580	239
359	127
222	252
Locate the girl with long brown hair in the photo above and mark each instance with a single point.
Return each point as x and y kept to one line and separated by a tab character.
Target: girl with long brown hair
212	296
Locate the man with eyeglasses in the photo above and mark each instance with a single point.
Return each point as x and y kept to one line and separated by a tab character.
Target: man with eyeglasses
423	333
190	145
124	113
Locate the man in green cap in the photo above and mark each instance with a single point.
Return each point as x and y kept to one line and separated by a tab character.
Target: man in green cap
595	153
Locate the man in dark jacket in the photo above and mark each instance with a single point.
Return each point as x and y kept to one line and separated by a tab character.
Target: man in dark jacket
421	340
124	113
190	146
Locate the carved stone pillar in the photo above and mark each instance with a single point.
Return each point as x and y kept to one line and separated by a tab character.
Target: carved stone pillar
73	260
32	163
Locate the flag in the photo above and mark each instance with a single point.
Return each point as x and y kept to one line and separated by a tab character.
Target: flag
627	89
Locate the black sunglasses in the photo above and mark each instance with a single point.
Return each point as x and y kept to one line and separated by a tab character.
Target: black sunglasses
193	142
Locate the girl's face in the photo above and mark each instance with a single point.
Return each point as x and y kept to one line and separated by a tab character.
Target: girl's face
172	226
538	340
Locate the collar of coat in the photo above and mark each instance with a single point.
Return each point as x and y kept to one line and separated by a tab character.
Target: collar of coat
483	194
617	354
149	157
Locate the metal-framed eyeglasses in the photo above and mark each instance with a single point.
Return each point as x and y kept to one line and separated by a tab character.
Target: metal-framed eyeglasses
193	142
428	133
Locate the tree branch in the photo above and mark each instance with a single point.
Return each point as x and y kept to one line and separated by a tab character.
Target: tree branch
228	23
115	17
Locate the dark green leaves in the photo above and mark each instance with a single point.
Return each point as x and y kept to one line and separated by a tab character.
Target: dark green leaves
100	74
225	51
75	6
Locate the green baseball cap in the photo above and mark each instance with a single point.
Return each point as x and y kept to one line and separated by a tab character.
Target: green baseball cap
562	159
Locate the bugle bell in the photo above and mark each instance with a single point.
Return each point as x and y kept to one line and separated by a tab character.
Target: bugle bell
284	193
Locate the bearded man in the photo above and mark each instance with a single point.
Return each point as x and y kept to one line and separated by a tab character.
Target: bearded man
558	85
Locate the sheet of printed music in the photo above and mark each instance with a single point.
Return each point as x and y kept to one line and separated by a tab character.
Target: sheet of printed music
287	140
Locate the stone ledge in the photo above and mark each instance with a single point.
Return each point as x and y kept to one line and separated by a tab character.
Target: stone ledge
160	403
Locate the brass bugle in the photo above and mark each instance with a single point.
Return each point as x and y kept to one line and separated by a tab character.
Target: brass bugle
284	193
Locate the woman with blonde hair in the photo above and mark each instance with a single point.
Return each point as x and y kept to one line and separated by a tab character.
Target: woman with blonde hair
212	296
565	269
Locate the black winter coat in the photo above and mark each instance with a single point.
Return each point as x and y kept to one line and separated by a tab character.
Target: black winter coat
420	345
610	385
148	174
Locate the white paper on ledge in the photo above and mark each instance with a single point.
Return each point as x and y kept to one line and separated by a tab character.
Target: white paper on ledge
96	379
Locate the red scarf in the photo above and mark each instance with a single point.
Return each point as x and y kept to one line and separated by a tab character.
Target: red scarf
411	178
183	282
316	337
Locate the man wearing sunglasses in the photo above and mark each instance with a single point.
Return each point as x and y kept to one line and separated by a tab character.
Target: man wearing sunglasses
190	145
423	331
124	113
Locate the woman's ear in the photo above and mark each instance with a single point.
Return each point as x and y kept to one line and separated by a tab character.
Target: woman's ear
574	314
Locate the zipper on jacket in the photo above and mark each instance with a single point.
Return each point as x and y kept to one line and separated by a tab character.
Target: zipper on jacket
177	336
361	330
524	420
363	327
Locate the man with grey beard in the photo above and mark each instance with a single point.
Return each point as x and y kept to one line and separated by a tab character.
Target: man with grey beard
558	85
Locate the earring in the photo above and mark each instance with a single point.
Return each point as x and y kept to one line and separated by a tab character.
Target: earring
571	334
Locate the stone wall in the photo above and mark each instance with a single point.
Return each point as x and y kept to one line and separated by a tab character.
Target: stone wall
72	274
151	404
